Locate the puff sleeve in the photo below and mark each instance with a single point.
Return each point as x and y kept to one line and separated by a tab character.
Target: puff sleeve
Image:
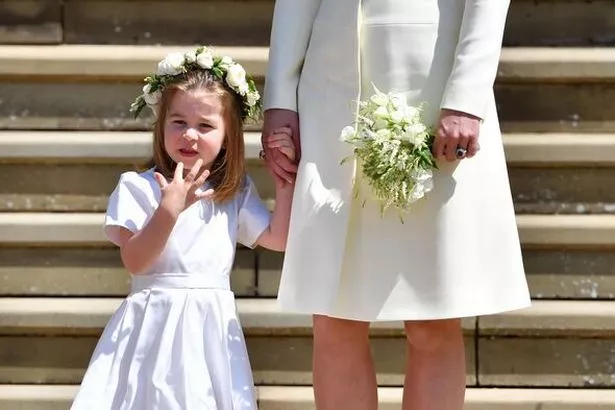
129	206
253	215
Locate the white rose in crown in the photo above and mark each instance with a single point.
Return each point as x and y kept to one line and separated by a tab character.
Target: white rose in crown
190	57
222	68
253	98
172	64
205	60
236	78
226	62
151	98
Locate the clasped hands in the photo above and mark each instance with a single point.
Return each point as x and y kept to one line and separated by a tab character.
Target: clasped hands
456	138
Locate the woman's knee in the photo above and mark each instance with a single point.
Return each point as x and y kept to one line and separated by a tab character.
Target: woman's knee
433	334
338	330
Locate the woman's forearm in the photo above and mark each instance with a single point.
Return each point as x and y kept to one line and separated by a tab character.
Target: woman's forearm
290	34
476	57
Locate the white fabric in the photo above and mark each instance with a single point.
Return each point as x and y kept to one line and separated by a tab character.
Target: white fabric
176	342
458	252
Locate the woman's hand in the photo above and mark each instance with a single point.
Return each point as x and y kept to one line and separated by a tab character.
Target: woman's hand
181	192
279	164
456	136
281	140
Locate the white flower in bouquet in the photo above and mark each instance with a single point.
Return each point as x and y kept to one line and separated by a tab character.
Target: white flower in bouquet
393	146
399	101
379	99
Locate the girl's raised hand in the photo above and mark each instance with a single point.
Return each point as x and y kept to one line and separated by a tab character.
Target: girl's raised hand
183	191
281	139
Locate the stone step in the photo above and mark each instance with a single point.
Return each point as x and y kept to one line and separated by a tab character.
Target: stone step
522	149
542	23
259	317
549	173
62	359
59	397
84	229
262	317
104	63
563	273
84	147
567	257
552	344
50	340
301	398
97	84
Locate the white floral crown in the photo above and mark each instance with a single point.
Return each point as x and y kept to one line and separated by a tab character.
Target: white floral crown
222	67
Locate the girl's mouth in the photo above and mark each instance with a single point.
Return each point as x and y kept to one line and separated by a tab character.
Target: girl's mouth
188	152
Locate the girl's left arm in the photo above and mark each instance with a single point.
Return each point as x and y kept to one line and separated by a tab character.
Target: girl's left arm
274	237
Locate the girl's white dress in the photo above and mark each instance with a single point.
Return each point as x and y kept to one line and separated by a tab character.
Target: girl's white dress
176	343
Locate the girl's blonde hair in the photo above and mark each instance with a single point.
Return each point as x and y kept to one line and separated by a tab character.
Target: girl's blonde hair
228	169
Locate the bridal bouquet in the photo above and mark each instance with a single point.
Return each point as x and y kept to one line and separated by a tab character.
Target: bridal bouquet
393	147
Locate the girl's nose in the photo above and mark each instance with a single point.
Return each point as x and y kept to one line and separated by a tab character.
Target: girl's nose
191	134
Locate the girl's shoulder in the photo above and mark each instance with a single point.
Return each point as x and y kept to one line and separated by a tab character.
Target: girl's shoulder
139	184
141	180
246	188
136	176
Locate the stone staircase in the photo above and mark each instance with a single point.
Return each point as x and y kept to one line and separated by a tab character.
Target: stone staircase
68	72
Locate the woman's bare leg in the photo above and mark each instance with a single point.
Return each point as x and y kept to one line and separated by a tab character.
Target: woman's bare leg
435	369
344	375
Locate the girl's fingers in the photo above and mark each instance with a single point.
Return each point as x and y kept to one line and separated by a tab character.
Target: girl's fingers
179	171
282	130
279	137
289	152
194	171
281	144
205	194
202	178
162	181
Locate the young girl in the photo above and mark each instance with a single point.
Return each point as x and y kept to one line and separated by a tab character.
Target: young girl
176	343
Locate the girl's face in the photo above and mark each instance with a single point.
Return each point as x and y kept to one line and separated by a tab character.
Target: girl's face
194	128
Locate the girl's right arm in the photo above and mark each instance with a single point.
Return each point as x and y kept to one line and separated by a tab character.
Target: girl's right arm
140	250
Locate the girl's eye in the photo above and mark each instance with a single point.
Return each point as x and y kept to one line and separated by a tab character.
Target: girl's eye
179	122
204	125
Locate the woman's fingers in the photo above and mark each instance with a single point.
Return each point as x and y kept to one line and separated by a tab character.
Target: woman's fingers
473	148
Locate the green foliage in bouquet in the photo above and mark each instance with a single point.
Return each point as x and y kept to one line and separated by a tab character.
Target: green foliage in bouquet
393	147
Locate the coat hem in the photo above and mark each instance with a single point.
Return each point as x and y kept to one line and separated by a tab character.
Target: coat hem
409	315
